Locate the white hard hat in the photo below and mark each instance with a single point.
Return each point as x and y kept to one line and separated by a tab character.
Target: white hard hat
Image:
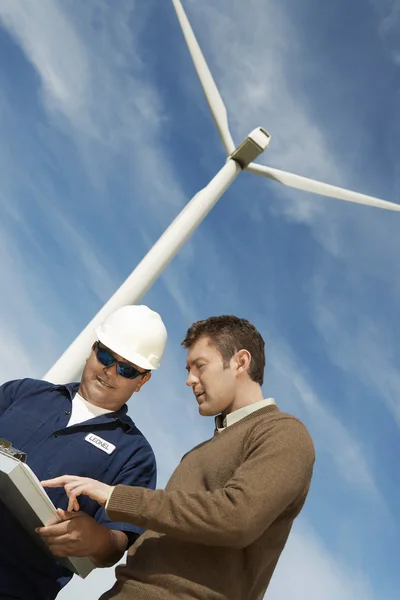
136	333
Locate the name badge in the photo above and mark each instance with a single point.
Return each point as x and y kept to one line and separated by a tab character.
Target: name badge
100	443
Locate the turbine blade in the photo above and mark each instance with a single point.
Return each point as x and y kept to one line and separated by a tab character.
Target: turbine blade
317	187
215	102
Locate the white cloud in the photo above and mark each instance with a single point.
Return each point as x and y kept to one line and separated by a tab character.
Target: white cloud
361	346
389	15
19	359
308	571
41	29
94	87
330	434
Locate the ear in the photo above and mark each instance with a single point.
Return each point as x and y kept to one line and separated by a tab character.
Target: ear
243	360
143	381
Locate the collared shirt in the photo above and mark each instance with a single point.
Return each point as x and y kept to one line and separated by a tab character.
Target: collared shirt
34	417
222	422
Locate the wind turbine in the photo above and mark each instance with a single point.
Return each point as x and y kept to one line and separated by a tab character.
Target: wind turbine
239	158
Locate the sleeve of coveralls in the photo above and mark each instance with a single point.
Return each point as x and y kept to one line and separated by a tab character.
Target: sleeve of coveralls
8	393
139	471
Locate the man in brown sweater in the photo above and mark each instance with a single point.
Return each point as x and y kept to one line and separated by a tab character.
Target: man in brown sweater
216	532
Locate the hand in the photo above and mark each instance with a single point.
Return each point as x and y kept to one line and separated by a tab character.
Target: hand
75	486
76	535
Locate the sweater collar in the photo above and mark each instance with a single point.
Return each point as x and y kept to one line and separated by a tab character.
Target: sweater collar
222	422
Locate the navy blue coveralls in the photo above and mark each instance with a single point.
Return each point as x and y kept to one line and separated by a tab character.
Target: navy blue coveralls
33	417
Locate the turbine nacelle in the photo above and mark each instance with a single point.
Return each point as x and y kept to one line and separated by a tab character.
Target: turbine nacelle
254	145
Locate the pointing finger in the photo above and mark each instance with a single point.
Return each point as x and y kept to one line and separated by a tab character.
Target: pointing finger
58	481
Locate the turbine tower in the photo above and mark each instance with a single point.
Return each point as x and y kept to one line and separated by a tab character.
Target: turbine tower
239	158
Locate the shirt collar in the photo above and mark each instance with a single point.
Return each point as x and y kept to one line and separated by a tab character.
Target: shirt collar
120	415
222	422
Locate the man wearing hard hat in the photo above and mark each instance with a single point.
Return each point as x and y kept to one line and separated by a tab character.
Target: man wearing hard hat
80	428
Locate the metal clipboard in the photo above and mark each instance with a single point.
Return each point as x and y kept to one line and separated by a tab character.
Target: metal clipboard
23	495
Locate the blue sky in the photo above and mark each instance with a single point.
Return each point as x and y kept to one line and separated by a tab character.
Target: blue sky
105	137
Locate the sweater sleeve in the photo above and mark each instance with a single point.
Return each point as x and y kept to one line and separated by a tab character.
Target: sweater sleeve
276	472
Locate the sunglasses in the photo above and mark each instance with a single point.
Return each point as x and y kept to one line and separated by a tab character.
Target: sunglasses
107	358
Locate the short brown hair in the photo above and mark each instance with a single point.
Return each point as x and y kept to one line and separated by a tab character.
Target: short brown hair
230	334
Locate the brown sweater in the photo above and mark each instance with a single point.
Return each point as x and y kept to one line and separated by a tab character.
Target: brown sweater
217	530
